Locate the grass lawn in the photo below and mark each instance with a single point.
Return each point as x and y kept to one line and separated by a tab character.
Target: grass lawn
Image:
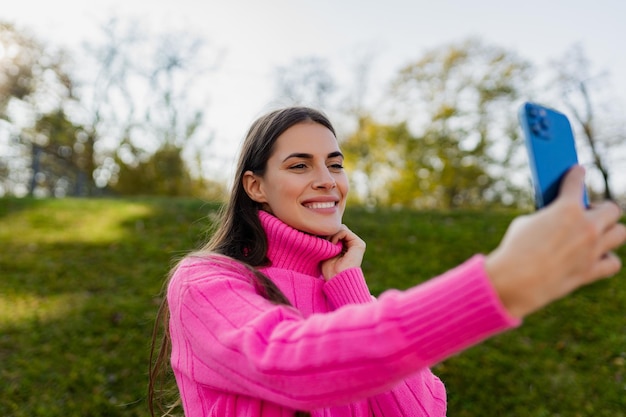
80	282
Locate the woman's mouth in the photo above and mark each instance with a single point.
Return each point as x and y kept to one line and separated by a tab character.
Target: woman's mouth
320	205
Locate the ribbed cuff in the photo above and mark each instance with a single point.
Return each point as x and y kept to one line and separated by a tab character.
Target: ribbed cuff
348	287
452	312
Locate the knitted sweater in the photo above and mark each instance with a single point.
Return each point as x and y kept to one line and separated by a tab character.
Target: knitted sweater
336	352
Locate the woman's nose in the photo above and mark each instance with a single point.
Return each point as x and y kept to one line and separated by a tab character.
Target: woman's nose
324	180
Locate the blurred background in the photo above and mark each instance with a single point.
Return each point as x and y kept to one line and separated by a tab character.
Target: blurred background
138	109
130	98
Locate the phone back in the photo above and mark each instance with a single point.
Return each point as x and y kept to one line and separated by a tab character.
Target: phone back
551	149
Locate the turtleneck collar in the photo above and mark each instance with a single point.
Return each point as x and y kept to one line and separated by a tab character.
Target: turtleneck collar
292	249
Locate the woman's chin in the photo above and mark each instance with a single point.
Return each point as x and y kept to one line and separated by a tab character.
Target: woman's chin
329	233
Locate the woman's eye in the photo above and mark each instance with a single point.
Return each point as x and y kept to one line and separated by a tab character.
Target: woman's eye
337	167
298	166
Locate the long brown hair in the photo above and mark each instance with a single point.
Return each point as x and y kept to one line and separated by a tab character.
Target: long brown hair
239	235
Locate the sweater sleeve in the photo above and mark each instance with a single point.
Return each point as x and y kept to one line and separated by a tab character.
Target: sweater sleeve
226	336
421	393
347	287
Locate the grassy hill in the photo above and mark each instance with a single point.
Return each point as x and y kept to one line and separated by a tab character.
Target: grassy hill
80	282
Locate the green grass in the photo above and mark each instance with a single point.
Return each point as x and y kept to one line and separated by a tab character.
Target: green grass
80	282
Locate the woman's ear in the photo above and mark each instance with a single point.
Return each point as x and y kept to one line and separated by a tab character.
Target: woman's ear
252	184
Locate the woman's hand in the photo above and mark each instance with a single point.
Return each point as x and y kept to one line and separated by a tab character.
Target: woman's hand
351	256
549	254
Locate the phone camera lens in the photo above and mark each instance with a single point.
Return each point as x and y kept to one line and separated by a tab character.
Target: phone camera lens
536	129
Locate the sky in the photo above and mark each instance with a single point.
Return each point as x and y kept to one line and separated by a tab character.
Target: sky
259	35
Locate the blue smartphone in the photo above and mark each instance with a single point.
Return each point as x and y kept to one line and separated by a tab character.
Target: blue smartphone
551	150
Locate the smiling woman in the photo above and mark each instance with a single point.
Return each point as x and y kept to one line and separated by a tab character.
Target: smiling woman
312	186
274	315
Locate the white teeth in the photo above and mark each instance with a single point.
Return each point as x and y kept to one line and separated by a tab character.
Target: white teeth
321	205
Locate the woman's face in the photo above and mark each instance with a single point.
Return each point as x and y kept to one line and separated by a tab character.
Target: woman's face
304	183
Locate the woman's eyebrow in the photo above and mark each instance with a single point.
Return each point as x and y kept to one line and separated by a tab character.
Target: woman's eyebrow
299	155
310	156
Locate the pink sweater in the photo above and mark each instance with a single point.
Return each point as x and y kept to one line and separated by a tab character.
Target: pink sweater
337	352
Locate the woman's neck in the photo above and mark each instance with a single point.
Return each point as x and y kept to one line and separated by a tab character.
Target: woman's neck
292	249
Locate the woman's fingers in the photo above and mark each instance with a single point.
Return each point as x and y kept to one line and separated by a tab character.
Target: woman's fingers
351	255
607	214
608	265
572	186
339	235
615	236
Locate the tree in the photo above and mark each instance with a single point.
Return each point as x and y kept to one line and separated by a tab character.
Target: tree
142	102
62	158
576	84
372	154
137	104
306	81
461	102
34	88
29	72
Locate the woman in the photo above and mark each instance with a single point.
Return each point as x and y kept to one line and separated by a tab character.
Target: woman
273	315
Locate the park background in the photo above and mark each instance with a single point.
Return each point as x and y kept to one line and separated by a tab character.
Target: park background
138	109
